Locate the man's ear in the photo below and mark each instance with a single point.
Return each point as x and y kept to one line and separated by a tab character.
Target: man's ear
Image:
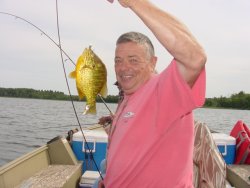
153	63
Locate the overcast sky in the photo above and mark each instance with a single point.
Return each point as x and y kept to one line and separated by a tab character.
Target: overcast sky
30	60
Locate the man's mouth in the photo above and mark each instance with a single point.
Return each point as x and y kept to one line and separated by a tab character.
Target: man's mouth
126	77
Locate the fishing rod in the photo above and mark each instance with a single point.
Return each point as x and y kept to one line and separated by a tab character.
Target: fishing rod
52	40
71	99
62	60
30	23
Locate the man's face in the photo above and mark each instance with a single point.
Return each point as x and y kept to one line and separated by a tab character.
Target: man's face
132	66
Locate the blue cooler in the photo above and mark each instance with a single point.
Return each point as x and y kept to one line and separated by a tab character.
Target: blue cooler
226	145
96	143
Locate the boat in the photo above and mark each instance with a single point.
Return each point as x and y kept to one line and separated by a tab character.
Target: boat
51	165
57	164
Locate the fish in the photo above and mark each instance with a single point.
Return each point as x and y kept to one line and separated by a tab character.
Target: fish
91	79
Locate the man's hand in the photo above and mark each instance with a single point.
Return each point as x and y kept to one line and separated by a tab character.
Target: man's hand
126	3
111	1
105	120
101	184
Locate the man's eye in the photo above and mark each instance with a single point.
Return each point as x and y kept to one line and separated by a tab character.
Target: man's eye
133	61
118	61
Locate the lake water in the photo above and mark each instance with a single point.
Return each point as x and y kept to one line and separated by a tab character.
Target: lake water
29	123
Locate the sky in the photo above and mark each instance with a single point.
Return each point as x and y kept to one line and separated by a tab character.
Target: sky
28	59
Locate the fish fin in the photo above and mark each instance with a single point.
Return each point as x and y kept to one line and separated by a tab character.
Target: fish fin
80	94
90	110
72	74
104	90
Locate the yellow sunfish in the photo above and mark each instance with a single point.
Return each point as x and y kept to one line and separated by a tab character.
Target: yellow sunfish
91	79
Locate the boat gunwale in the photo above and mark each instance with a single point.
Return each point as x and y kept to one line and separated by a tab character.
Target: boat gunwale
23	158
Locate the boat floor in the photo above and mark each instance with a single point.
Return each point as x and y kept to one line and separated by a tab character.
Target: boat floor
60	174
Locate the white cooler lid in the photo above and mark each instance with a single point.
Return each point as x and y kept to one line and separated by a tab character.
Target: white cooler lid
221	138
98	135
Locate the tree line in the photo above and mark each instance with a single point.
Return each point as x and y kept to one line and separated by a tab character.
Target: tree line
46	94
239	100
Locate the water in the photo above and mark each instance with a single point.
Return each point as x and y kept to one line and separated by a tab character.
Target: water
29	123
222	120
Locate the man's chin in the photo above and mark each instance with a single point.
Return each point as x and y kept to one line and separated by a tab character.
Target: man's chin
128	91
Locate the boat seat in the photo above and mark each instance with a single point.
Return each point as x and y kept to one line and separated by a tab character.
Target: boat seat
53	165
239	175
56	176
209	167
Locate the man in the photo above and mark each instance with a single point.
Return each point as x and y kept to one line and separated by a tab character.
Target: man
151	141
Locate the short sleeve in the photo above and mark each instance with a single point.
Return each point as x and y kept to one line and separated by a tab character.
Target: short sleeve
175	97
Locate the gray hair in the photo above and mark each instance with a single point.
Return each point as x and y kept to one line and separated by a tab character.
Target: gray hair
138	38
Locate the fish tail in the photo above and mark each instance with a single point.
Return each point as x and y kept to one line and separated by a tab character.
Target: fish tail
104	90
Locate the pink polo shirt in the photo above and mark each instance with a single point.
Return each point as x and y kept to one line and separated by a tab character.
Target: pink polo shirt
152	145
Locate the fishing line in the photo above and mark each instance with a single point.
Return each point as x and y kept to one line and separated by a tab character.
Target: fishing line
44	33
59	45
62	52
84	127
30	23
105	104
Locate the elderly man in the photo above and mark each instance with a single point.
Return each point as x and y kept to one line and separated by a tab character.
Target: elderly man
151	141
